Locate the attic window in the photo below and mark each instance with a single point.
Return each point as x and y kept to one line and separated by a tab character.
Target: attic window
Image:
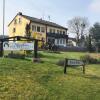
15	21
14	30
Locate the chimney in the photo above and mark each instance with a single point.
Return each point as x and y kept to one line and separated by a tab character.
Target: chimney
20	13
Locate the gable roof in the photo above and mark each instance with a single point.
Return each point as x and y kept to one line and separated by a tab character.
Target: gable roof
40	21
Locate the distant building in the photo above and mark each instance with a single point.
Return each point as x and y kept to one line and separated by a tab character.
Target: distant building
40	29
72	42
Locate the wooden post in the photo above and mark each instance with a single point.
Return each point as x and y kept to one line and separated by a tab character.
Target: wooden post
35	59
83	69
1	48
65	66
35	48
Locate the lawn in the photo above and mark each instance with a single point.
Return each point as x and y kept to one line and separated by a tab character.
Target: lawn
24	80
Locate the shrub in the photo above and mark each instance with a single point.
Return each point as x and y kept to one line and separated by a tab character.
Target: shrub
28	52
17	56
88	59
61	62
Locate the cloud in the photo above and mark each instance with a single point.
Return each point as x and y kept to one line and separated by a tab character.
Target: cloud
95	6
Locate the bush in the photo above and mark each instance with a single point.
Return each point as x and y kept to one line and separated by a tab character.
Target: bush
88	59
28	52
61	62
16	56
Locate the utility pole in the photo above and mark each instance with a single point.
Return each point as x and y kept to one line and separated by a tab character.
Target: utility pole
3	18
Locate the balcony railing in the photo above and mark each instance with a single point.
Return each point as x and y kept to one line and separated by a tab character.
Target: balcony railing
57	35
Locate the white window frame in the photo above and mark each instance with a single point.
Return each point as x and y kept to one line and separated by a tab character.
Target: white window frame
34	28
37	28
43	29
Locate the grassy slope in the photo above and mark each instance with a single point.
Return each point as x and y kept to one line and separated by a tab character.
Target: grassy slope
23	80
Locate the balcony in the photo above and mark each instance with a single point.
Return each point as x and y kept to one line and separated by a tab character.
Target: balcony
57	35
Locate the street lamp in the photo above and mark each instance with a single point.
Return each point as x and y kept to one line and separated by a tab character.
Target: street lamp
3	17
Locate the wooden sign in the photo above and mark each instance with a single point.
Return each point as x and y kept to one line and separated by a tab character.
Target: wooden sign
6	45
18	46
73	62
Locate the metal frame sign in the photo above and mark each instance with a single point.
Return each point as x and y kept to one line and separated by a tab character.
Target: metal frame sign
73	62
18	46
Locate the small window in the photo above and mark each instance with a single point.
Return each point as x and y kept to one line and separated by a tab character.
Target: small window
19	20
15	21
38	28
57	41
57	31
14	30
60	32
51	31
60	41
63	32
42	29
63	41
33	28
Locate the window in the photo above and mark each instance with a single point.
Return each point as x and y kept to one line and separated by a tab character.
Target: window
15	21
63	32
57	41
63	41
50	30
57	31
43	29
60	41
60	32
38	28
53	30
33	28
14	30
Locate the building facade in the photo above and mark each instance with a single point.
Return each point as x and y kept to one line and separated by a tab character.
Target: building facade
39	29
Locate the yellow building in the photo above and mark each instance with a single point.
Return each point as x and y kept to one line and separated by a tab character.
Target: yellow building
39	29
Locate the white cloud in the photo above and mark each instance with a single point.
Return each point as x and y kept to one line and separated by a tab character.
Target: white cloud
95	6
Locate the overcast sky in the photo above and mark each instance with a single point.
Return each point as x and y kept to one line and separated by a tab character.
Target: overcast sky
60	10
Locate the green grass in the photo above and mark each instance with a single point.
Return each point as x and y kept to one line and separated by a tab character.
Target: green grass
24	80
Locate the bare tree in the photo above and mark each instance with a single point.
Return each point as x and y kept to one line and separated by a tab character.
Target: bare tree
78	26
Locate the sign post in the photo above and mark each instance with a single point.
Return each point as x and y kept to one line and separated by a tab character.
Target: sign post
73	62
84	69
35	59
65	66
1	48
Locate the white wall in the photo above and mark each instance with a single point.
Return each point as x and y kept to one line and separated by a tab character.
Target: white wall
60	42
